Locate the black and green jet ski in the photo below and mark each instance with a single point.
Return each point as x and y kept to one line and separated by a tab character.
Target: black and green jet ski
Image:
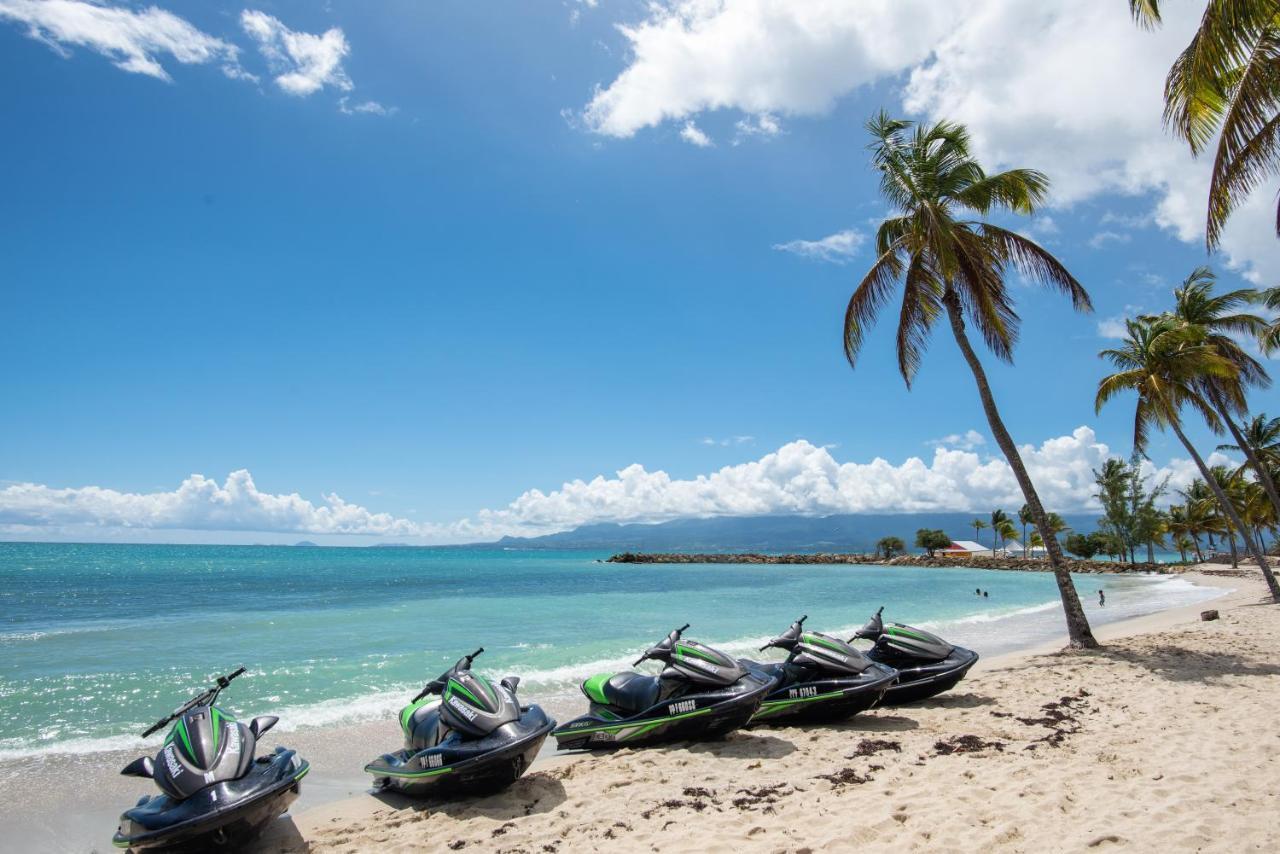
926	664
701	693
822	678
214	792
463	735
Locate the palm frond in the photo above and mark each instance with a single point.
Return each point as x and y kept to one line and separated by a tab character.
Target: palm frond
1145	12
867	299
921	306
1038	264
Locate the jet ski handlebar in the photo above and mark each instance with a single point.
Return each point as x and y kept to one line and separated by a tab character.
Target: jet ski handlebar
436	685
663	648
206	698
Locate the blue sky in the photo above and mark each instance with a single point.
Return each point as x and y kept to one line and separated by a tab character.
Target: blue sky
497	280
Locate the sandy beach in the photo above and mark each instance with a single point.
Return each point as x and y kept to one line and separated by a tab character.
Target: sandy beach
1158	741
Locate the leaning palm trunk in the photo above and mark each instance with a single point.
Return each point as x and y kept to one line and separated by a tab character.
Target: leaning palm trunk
1264	476
1078	631
1229	511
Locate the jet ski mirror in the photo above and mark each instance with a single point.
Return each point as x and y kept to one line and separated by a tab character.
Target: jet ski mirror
511	683
258	726
142	767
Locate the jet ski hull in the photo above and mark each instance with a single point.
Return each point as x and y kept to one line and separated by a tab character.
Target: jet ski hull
694	716
825	699
919	681
223	814
466	767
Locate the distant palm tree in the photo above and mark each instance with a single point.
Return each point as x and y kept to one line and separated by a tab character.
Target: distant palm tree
1165	362
999	519
1225	84
1263	435
1024	518
978	525
952	263
1217	318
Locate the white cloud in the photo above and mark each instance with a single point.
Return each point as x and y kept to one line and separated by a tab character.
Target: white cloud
1114	326
197	504
1009	69
304	63
132	40
762	125
691	134
838	248
799	478
966	441
1102	238
728	441
372	108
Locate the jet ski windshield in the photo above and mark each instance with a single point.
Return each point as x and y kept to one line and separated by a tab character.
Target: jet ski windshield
788	639
435	686
663	650
873	628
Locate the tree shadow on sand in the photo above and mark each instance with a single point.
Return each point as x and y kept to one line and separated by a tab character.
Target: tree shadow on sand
875	722
535	792
1180	664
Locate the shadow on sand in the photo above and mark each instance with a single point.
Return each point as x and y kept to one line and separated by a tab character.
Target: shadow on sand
535	792
967	700
1179	664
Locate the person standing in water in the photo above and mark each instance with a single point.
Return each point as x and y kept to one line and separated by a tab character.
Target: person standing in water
1102	598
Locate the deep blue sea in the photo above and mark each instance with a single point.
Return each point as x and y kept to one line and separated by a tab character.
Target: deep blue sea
97	641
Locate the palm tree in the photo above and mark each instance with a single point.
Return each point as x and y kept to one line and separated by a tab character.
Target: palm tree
1024	518
1182	543
1263	436
1217	317
1165	362
1006	531
1225	84
954	265
999	520
978	525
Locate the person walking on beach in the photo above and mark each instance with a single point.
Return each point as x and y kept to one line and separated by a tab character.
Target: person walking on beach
1102	598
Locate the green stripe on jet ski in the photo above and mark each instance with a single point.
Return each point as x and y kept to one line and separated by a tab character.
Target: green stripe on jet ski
594	687
648	725
769	707
215	718
182	731
894	630
458	686
822	642
382	772
682	651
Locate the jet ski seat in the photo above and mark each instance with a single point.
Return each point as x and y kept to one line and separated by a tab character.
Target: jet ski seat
631	691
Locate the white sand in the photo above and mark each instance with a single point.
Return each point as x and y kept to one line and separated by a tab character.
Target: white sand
1166	741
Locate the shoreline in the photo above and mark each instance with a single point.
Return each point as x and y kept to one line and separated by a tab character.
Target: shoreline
608	784
1014	564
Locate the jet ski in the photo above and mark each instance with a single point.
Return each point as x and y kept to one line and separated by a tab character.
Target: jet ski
823	678
462	735
214	792
701	694
926	664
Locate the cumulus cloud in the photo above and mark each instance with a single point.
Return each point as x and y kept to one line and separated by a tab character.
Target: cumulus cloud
728	441
134	40
304	63
966	441
798	478
369	108
691	134
763	125
1009	69
1115	327
199	503
838	248
1102	238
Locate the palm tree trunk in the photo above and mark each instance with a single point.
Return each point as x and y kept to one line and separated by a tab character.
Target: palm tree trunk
1078	631
1235	556
1229	510
1199	554
1264	476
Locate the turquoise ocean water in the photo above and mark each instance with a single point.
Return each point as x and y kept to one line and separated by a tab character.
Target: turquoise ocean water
97	641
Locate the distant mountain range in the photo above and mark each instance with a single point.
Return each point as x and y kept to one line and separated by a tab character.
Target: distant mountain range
846	533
